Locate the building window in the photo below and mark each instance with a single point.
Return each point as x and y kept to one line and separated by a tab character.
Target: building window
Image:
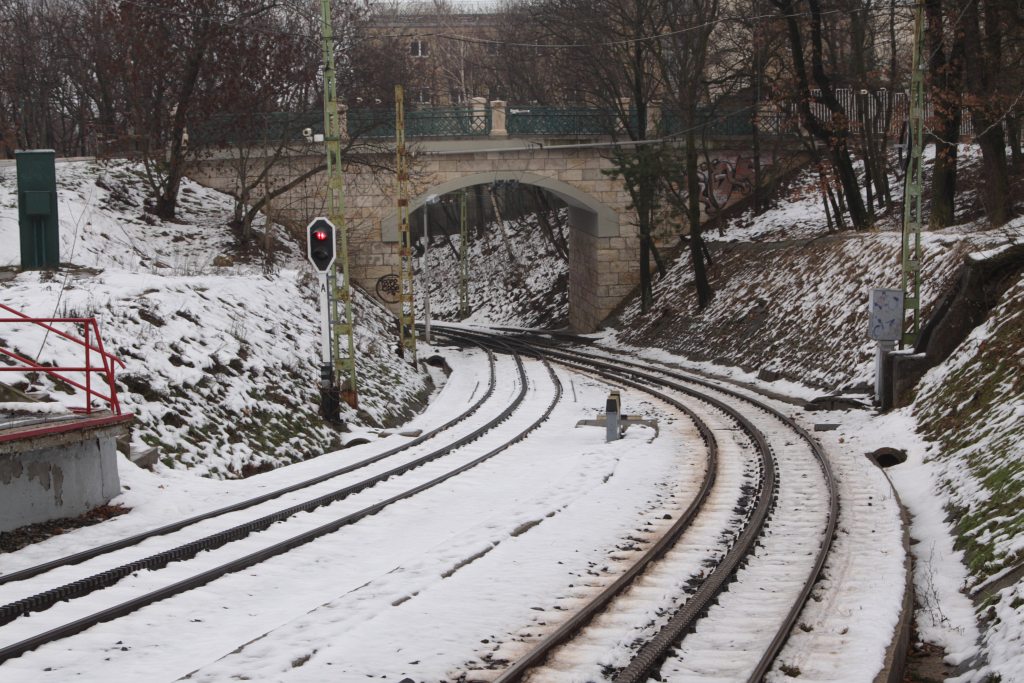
418	48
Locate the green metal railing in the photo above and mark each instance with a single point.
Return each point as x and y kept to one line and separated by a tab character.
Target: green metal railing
539	120
469	121
435	122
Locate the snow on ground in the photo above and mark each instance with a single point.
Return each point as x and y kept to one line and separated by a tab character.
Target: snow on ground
221	357
790	309
527	289
788	317
412	589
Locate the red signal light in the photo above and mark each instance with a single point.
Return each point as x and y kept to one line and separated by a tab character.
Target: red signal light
320	235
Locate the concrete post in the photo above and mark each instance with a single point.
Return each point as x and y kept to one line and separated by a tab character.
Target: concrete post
883	383
498	118
613	412
478	111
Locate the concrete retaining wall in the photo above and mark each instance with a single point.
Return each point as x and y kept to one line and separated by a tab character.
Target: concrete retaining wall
57	476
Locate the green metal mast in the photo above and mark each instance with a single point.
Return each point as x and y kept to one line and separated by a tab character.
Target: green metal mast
463	258
344	366
406	311
912	216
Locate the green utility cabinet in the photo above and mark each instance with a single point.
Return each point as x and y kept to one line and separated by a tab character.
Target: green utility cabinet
37	209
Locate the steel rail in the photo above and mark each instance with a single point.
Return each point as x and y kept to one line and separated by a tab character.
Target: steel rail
784	631
79	625
48	598
713	584
782	634
78	558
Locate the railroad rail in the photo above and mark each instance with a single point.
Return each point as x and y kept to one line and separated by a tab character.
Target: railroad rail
654	652
756	462
94	582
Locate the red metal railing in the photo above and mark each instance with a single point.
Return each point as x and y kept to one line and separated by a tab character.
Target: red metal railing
91	341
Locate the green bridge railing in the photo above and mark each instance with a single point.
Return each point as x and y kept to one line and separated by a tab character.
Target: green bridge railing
471	121
538	120
435	122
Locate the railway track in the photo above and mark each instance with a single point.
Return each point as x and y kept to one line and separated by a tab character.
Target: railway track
762	580
390	485
745	547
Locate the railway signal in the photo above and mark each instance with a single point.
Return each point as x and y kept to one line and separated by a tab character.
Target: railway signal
320	244
321	252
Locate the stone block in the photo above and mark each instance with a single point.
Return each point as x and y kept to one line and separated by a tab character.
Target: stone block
620	266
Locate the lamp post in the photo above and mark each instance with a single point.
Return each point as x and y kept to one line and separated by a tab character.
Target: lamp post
431	199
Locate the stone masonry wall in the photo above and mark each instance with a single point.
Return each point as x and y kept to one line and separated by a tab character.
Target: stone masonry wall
603	270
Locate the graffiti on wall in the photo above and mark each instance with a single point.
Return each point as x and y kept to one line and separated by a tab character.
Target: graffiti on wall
723	182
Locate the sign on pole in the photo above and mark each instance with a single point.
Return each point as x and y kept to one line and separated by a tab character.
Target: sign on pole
885	314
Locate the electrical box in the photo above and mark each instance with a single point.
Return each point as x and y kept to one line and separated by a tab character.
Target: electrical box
37	209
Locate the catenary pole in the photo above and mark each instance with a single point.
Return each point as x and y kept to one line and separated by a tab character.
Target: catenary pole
912	216
463	258
344	365
406	312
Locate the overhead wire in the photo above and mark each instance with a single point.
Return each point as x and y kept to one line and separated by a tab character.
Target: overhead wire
240	24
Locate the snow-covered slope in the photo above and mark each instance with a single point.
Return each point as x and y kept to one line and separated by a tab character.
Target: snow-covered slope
791	303
221	356
528	288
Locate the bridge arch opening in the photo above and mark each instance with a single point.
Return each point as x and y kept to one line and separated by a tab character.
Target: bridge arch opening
593	227
585	212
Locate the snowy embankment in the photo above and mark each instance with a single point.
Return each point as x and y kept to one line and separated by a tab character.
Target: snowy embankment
221	356
523	285
791	306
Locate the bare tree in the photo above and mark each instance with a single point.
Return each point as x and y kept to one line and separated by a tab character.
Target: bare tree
683	57
945	74
987	99
613	64
834	134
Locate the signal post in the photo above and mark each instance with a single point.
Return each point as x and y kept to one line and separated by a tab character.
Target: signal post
320	250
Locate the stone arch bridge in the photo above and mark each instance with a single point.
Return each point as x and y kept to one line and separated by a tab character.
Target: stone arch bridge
562	151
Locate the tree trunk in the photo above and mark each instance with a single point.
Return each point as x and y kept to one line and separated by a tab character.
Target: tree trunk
543	213
1013	132
982	61
995	190
945	79
167	202
835	137
501	229
697	249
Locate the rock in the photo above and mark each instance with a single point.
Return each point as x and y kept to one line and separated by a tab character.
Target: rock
834	403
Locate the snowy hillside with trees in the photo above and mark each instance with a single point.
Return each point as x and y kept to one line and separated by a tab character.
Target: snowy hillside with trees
220	345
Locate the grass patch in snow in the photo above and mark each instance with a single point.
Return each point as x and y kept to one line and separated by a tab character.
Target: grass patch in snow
973	408
222	361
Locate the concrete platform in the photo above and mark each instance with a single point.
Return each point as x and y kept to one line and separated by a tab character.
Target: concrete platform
55	466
